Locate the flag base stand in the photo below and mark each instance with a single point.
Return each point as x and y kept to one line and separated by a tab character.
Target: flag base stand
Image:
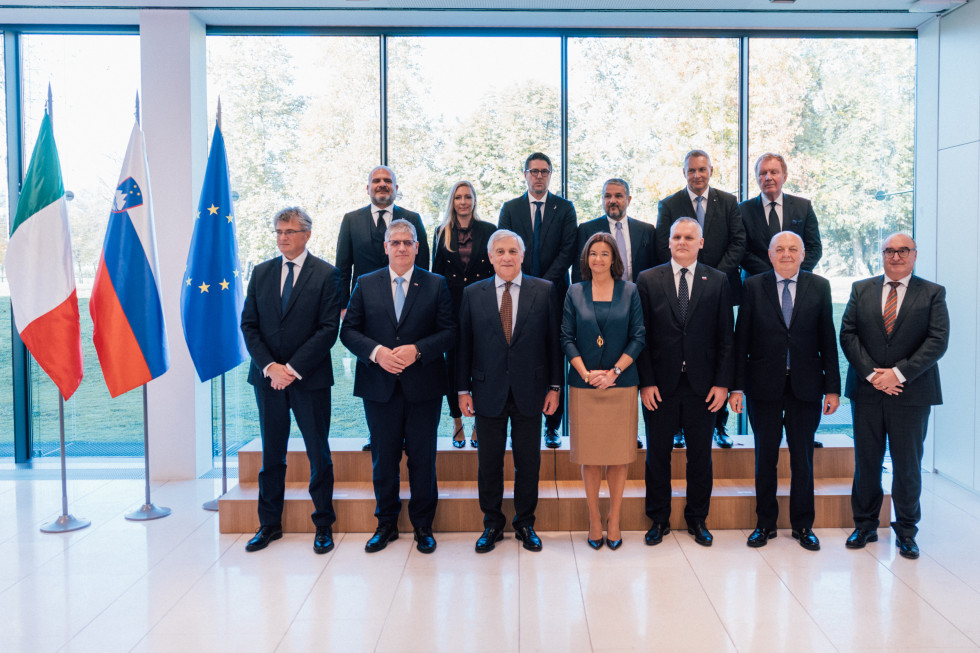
147	512
65	524
211	505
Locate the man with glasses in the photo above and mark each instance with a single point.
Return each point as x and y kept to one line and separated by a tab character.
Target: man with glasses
399	325
360	244
548	225
724	240
894	331
290	322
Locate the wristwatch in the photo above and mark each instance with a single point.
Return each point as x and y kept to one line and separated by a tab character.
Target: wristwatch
617	371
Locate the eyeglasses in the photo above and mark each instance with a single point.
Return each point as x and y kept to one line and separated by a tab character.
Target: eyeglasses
288	232
538	172
903	252
400	243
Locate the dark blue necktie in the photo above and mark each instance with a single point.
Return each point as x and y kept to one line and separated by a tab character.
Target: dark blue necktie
287	288
536	260
787	310
683	295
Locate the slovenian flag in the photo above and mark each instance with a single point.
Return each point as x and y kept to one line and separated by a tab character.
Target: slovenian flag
127	312
212	294
39	269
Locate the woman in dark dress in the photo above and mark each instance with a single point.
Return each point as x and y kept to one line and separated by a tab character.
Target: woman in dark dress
459	253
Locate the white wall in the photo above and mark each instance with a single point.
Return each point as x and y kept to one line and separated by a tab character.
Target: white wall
957	206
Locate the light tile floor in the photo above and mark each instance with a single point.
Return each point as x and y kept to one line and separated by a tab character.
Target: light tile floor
177	584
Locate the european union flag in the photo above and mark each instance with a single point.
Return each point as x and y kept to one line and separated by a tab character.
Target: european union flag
212	295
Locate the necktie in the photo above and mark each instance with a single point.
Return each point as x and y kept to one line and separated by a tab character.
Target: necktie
507	311
773	220
623	253
787	310
382	227
683	295
700	211
891	307
287	287
399	297
536	260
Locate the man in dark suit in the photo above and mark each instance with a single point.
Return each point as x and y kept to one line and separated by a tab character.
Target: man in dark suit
399	324
685	372
636	240
290	322
547	223
509	367
361	242
724	238
786	366
773	211
894	331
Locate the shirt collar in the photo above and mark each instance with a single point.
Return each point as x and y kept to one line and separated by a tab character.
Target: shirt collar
531	201
497	281
794	278
299	260
904	280
694	198
407	276
612	223
766	201
676	267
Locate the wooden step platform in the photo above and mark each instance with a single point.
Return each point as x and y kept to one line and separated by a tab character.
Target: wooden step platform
561	502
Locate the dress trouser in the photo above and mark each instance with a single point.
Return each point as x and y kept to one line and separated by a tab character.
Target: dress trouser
312	411
683	409
526	449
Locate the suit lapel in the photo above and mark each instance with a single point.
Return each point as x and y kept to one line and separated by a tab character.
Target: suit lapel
771	290
549	209
875	306
912	295
526	218
697	288
803	283
387	298
273	287
524	305
667	282
304	276
489	301
710	211
413	290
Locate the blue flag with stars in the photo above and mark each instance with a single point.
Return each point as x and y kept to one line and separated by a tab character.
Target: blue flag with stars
212	295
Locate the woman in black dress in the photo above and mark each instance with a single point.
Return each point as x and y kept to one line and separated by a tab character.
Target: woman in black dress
459	253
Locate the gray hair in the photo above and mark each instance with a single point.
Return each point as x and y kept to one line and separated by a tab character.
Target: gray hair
772	241
394	179
680	220
504	233
771	155
401	226
616	181
291	212
696	153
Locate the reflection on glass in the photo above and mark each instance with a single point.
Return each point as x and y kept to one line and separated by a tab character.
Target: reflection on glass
6	379
94	79
636	106
300	117
842	112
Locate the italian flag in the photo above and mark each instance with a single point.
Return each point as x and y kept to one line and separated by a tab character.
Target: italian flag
39	269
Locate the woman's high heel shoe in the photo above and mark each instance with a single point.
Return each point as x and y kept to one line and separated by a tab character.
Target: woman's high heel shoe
473	442
459	438
595	544
614	544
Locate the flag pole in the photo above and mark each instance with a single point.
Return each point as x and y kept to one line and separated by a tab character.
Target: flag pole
147	511
213	503
65	522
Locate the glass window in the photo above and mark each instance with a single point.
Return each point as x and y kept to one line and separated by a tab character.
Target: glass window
6	367
842	113
301	121
636	106
94	80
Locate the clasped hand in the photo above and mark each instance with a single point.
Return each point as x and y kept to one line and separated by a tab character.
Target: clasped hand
885	380
397	359
280	376
601	379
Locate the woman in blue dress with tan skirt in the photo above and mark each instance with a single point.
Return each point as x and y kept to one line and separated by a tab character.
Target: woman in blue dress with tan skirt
602	333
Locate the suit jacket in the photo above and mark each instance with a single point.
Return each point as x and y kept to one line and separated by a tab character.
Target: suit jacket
490	368
361	249
916	344
450	265
798	217
704	342
622	332
303	334
426	322
724	233
762	338
557	238
642	244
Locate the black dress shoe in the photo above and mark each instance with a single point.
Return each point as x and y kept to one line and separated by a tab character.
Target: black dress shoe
382	535
907	548
528	537
263	536
656	534
614	544
722	439
639	443
552	439
489	538
678	440
367	446
817	445
425	543
323	542
761	537
860	537
807	539
595	544
700	533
